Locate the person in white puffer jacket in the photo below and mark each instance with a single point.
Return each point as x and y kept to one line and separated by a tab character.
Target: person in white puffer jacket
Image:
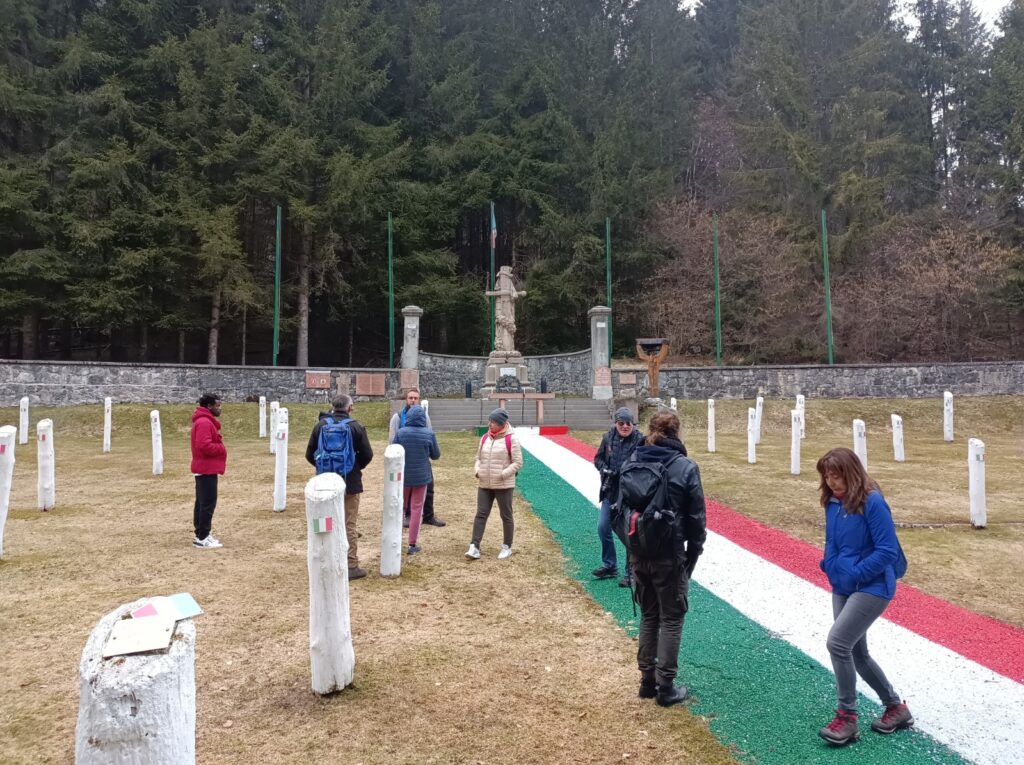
498	459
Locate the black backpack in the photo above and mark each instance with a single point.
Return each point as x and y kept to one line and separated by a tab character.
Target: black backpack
646	525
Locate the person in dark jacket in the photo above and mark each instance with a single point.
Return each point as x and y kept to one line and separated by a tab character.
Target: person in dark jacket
421	447
341	410
412	398
662	585
209	460
616	447
862	560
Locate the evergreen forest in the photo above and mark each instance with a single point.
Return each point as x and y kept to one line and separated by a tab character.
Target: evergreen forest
146	147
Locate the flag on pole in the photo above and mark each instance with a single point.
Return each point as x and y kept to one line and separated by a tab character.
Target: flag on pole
494	230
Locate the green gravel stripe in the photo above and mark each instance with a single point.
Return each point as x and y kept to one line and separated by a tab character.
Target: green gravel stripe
759	694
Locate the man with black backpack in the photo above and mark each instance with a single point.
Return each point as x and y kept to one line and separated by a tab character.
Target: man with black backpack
661	520
339	444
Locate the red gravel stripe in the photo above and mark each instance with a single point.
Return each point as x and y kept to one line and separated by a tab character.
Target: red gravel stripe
986	641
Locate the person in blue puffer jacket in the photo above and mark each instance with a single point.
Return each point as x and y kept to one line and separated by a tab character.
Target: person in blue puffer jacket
862	560
421	447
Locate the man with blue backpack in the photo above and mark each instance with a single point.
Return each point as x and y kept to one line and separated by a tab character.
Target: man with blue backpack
339	444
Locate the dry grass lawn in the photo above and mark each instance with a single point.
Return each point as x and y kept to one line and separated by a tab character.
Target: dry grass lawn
457	662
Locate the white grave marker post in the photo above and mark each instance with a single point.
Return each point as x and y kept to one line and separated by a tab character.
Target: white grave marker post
331	654
426	406
47	490
263	416
801	405
281	460
158	442
751	437
141	707
8	436
275	406
794	442
23	420
758	411
897	439
860	442
947	416
711	425
976	482
108	409
673	404
391	523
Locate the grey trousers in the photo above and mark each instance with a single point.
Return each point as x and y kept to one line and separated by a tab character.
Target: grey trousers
484	502
662	592
848	646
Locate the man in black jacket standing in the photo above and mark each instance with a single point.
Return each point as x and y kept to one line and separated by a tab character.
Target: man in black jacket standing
342	410
616	447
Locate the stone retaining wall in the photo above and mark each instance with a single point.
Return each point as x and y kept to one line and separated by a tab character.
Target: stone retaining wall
442	375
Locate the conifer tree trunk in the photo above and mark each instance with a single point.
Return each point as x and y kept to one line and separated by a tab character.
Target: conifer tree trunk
302	342
30	334
214	340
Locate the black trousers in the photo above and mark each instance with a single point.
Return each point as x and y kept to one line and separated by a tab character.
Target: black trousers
662	592
428	505
206	503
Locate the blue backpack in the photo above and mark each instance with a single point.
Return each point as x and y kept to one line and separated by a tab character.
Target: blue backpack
335	452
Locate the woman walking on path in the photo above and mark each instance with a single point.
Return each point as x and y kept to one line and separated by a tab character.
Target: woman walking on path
498	458
421	447
862	560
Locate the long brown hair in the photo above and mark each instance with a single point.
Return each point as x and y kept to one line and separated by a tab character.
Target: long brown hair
662	425
847	465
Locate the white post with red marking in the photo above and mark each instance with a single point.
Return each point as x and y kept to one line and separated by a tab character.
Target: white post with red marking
23	420
8	437
751	436
711	425
947	416
279	442
794	442
759	411
331	655
860	442
263	416
275	406
391	521
139	707
108	409
897	438
46	487
801	405
158	442
976	482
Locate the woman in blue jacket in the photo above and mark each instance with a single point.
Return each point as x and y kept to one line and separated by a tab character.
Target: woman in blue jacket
862	560
421	447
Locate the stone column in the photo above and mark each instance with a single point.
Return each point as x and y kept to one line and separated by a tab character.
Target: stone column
600	318
411	336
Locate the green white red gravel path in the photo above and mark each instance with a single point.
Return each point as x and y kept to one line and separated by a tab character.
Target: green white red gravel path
753	650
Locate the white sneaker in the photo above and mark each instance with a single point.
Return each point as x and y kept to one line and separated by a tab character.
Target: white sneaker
207	544
473	553
214	539
504	552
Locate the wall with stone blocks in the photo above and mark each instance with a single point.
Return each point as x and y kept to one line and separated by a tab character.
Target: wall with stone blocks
70	382
840	381
442	375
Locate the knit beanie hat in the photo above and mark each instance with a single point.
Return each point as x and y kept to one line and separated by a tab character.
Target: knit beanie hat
622	414
499	416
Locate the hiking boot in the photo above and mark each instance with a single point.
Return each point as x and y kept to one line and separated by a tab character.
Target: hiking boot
413	549
896	716
648	688
206	544
434	521
604	572
667	695
842	730
504	552
473	553
356	573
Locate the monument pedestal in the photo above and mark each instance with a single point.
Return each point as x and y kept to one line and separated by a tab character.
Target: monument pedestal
502	363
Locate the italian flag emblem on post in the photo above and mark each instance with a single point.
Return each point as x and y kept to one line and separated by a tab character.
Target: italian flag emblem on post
395	476
323	525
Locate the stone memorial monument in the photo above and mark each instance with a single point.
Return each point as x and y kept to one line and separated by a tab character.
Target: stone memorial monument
505	360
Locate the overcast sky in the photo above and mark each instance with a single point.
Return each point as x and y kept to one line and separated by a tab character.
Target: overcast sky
990	9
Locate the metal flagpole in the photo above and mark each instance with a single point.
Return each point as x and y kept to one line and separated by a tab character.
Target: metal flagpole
828	289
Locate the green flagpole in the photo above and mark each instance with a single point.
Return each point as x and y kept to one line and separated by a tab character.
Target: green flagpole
491	237
718	302
608	278
277	287
828	289
391	296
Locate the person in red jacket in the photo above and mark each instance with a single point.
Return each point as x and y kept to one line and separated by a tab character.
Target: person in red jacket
209	458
